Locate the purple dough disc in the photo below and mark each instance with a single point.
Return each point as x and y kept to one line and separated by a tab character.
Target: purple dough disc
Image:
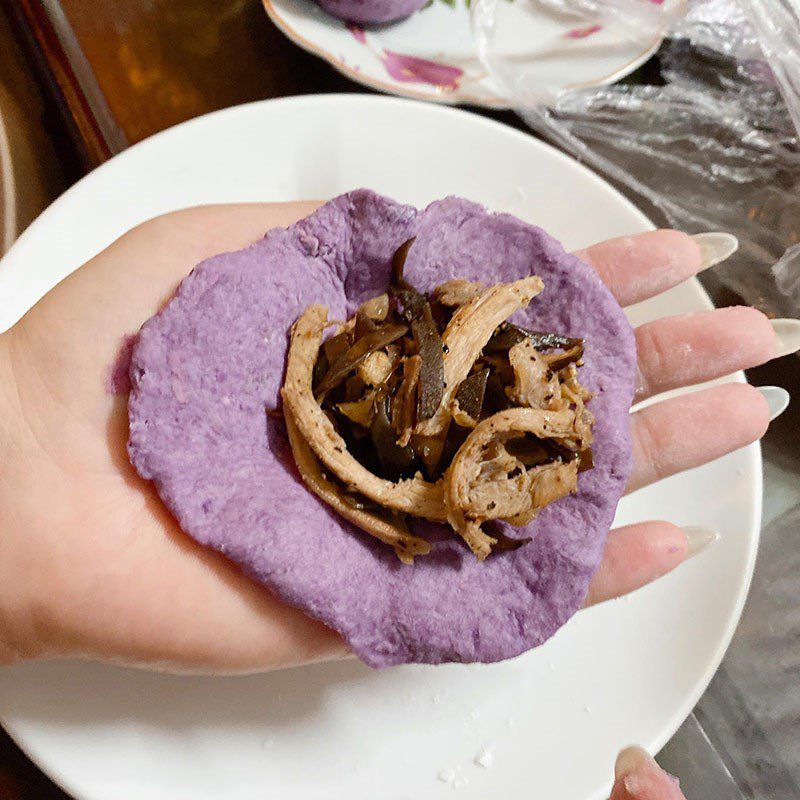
368	12
206	369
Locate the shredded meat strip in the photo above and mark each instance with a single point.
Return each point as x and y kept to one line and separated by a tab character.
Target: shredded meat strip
466	335
405	401
468	498
412	496
457	292
375	368
393	533
549	482
534	384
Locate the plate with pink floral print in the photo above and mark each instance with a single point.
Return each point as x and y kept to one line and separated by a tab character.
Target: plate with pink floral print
432	55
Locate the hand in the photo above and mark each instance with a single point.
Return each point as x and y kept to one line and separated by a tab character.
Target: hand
638	777
92	564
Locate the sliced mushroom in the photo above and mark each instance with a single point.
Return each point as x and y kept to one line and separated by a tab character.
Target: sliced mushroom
396	459
431	374
508	334
356	353
468	402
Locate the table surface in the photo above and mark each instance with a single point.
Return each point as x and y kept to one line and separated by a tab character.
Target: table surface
121	71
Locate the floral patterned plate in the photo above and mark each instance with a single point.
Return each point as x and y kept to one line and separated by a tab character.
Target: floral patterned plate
432	54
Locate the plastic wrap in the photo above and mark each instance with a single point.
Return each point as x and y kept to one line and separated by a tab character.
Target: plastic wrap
710	144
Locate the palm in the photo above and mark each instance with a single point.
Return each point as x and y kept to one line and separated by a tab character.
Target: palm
130	585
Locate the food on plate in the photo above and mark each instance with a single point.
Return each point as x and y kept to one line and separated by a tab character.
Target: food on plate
437	407
371	12
413	425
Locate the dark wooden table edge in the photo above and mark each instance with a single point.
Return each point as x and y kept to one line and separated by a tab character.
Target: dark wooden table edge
66	75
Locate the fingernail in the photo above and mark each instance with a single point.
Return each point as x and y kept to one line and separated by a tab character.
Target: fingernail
630	759
787	332
699	538
777	399
715	247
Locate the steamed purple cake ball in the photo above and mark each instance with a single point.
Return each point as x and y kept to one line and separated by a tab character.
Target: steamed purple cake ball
371	12
207	368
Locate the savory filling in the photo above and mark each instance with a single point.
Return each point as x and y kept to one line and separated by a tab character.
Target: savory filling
436	406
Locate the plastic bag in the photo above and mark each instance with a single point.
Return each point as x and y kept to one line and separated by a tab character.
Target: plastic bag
715	147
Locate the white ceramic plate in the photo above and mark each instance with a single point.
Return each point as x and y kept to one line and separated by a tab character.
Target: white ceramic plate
554	718
432	55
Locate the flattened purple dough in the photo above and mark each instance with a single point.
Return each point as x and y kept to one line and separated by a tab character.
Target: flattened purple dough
205	370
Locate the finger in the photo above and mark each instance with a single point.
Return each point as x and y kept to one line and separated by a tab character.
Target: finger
176	242
684	432
692	348
638	777
636	555
212	229
131	279
637	267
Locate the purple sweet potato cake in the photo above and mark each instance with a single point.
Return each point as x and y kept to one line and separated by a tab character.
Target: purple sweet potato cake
371	12
207	369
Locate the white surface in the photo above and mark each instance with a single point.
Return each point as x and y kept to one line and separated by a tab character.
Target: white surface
528	35
627	671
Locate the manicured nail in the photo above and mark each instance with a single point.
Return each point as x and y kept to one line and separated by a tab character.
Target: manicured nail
787	332
777	400
715	247
630	759
699	538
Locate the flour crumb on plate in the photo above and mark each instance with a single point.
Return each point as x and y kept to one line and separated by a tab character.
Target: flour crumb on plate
454	778
447	776
485	758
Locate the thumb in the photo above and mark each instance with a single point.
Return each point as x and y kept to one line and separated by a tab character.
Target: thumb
638	777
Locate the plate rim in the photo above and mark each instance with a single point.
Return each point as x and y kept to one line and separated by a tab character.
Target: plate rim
496	102
753	451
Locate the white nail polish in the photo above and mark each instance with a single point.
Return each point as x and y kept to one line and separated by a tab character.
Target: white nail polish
787	332
699	538
715	247
630	760
777	399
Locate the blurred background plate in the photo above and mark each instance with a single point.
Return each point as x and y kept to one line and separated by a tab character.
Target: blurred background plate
431	55
629	670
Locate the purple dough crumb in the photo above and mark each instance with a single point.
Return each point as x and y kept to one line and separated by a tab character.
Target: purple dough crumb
207	368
